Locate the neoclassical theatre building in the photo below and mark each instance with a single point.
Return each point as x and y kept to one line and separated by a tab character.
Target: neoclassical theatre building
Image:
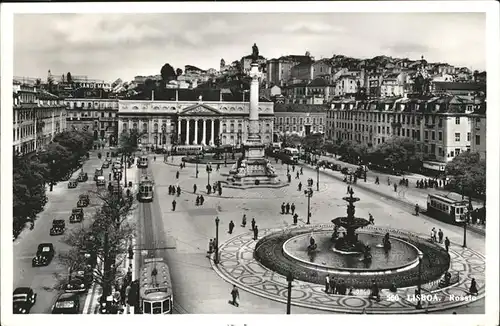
167	122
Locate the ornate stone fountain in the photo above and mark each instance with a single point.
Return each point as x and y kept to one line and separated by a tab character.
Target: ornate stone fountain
349	243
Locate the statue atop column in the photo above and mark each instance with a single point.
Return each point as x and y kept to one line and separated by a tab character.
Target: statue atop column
255	53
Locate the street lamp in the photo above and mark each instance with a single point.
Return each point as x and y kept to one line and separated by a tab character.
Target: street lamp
216	260
289	279
209	170
196	166
469	212
51	186
308	192
420	256
317	177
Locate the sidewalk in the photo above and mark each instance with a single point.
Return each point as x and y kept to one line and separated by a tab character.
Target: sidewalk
409	196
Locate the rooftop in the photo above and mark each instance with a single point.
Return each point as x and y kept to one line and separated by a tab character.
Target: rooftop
311	108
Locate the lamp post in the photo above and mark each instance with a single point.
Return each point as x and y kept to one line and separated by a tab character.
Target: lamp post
469	212
209	170
317	177
420	256
51	185
216	259
308	192
289	279
196	166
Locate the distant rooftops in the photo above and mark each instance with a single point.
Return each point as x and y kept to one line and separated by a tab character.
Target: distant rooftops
311	108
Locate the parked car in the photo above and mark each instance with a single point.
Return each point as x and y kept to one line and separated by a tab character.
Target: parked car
76	215
44	255
83	200
66	303
72	183
105	165
83	177
58	227
23	299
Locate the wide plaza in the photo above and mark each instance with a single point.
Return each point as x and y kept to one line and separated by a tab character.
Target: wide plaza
200	286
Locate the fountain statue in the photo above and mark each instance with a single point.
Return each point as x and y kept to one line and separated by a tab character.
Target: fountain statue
349	243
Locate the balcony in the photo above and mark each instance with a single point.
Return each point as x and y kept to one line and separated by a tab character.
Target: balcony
396	124
430	125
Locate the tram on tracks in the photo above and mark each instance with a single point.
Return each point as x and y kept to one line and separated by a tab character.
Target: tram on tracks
146	189
447	209
142	162
155	288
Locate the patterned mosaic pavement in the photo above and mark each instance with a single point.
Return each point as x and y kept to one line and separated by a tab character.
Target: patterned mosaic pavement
237	266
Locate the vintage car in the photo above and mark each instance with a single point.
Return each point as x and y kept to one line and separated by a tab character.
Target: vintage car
44	255
72	183
58	227
83	200
66	303
101	181
117	166
105	165
76	215
79	281
24	298
83	177
97	173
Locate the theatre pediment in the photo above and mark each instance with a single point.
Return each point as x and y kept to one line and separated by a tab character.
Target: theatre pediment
200	109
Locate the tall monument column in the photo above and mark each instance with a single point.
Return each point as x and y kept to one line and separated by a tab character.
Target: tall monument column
253	135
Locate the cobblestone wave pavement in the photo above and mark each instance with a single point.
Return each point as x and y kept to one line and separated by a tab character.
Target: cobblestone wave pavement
239	267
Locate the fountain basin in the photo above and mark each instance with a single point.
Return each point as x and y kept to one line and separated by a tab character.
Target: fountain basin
402	255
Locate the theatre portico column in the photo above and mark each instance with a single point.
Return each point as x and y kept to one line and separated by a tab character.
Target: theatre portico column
196	131
187	132
212	132
204	133
179	129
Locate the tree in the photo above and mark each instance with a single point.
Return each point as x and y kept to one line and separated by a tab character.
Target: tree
290	140
105	238
38	82
59	161
69	79
129	141
468	172
313	142
178	72
399	153
167	73
29	196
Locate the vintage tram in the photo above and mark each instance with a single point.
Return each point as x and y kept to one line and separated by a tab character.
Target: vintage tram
446	209
142	162
146	189
155	287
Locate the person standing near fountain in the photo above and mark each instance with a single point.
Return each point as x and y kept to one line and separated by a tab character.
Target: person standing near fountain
300	186
327	283
333	285
287	208
231	227
253	224
255	233
292	207
244	220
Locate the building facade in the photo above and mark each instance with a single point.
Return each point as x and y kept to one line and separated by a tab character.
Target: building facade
94	115
38	116
441	125
279	70
165	123
478	131
299	119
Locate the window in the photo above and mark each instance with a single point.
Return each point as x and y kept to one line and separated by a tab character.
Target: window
457	136
468	136
452	154
457	151
440	135
457	121
426	135
478	140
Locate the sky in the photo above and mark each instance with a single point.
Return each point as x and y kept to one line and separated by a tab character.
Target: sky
111	46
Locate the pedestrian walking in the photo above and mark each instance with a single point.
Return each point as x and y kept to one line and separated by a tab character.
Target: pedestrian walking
417	209
197	200
440	235
287	208
174	203
447	243
301	171
235	295
253	224
283	207
327	283
395	187
434	233
297	175
473	287
377	181
289	177
295	218
293	168
244	220
177	175
231	227
194	189
255	233
202	200
333	285
300	186
388	181
292	207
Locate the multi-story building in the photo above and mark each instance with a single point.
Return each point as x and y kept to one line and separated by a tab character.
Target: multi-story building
279	70
346	84
321	68
478	131
456	88
393	85
187	120
94	115
440	124
302	72
317	91
38	116
299	119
